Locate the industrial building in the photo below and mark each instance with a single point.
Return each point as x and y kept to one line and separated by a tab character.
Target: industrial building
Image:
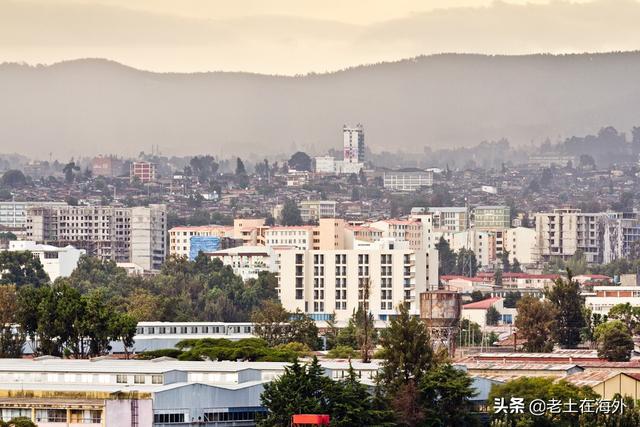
159	393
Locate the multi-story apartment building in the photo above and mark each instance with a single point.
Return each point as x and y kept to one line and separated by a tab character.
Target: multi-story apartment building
607	296
144	171
300	237
492	218
620	235
247	261
446	218
323	282
409	230
250	230
564	231
409	179
313	210
103	166
13	215
601	236
180	237
135	235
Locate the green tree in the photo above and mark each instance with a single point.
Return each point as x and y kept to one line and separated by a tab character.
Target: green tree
446	393
342	352
303	329
614	341
492	317
353	405
627	314
13	178
290	214
536	323
271	323
447	258
511	299
565	297
22	268
408	347
240	169
11	340
515	267
18	422
504	259
544	388
466	263
577	264
477	296
497	278
300	161
300	390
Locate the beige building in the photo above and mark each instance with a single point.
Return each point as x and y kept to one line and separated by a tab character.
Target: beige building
322	282
608	383
409	230
120	234
521	242
564	231
492	218
451	219
313	210
298	236
250	230
180	237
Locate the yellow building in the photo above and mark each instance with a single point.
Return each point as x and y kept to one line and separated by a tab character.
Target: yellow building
607	383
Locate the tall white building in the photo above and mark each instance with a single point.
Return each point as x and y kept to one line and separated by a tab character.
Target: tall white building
323	282
353	140
120	234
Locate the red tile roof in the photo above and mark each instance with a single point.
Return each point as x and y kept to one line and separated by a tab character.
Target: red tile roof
482	305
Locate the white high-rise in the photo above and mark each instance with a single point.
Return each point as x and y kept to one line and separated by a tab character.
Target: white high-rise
353	144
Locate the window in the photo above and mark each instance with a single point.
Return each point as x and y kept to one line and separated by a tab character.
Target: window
168	418
121	379
138	379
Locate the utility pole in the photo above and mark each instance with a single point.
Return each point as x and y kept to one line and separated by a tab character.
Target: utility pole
365	313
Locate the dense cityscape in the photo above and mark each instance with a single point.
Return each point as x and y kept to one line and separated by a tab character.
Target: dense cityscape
162	278
338	213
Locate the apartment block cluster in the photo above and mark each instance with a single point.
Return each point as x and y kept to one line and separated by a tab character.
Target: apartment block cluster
134	237
337	266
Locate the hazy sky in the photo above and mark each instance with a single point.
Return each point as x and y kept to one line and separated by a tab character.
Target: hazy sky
298	36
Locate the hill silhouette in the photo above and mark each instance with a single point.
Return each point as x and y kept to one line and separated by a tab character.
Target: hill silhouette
92	106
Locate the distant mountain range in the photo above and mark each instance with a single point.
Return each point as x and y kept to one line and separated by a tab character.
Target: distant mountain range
92	106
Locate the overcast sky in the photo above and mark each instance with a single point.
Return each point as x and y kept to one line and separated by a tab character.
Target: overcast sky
299	36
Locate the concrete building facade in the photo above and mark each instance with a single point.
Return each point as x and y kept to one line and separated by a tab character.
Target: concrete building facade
322	282
120	234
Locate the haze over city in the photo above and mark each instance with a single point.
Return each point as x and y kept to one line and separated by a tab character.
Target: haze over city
293	37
